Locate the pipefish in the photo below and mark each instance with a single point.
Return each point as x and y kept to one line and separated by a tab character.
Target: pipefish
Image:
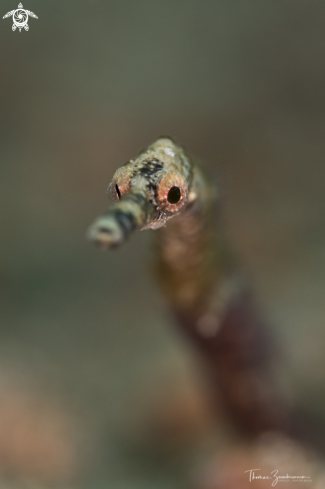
165	189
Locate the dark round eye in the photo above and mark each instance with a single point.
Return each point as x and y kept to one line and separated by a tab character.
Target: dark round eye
114	192
174	195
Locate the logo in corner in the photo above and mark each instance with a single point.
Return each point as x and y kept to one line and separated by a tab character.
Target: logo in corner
20	18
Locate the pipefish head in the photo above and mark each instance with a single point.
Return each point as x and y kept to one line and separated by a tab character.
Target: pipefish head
146	192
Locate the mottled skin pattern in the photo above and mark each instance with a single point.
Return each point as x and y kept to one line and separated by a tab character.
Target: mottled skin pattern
191	272
185	246
165	188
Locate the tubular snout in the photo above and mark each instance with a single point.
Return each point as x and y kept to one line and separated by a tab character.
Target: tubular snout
128	215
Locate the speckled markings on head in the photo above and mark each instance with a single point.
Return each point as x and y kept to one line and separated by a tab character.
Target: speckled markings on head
165	184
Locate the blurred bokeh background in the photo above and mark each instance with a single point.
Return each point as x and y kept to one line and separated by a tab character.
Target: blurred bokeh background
97	389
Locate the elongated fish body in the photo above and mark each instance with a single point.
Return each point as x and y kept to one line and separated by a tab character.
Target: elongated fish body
164	189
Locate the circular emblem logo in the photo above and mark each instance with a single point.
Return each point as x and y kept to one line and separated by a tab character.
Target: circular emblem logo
20	18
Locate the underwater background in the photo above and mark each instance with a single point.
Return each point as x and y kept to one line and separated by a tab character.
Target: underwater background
97	388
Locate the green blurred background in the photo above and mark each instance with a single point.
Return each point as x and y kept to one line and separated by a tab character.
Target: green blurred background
97	390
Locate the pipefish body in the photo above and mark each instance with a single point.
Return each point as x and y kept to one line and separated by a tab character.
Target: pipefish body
165	189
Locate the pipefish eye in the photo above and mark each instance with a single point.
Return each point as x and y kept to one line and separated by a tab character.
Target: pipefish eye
114	192
174	195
